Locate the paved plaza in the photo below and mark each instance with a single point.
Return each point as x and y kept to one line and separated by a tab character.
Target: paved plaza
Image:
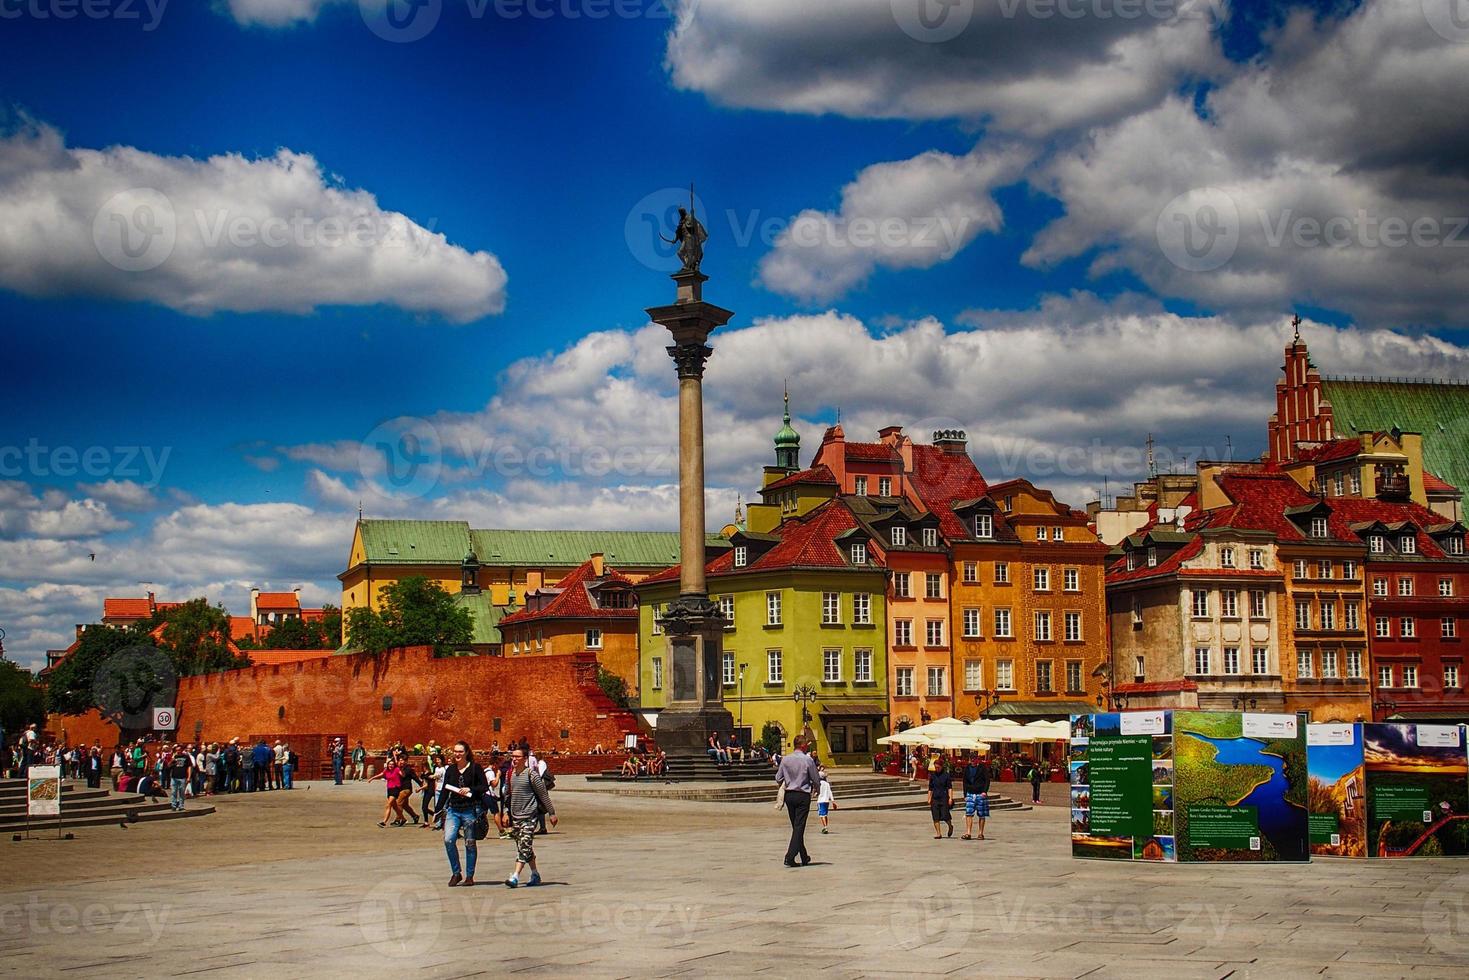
305	884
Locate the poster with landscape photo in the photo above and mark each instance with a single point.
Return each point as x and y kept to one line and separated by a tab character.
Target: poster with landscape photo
1117	811
1336	795
1239	787
1417	789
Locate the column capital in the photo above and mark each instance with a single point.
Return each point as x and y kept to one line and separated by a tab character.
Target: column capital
689	359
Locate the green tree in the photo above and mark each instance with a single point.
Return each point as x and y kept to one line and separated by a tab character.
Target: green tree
21	702
69	685
299	634
770	737
415	612
614	686
196	636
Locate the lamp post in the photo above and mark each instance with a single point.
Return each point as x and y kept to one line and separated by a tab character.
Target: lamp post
804	695
984	700
741	693
1249	704
1386	707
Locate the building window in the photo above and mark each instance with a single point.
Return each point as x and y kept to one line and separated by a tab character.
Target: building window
934	633
1226	557
1002	624
1408	545
831	666
657	673
971	622
837	736
933	585
1002	573
1303	663
1298	567
1410	675
772	609
862	666
1338	484
657	624
930	537
1455	544
1073	628
1405	585
1131	561
540	638
1354	663
1380	628
862	608
1318	527
729	669
1138	665
1407	628
1376	543
935	682
902	632
1349	569
1056	534
1303	614
1258	609
1260	660
726	610
1384	675
1005	675
860	486
1257	558
884	486
1229	603
984	525
1353	615
1328	615
1071	580
741	556
774	669
1040	534
1451	675
831	608
1355	480
1445	586
971	571
1328	664
858	551
1447	628
1152	556
1073	677
1043	680
1137	611
902	586
899	536
1323	569
1042	579
974	675
904	683
1042	625
594	639
1201	604
1201	660
1231	660
1379	586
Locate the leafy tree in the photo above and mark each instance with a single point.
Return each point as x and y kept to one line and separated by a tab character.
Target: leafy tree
614	686
415	612
21	702
298	634
770	737
69	685
196	636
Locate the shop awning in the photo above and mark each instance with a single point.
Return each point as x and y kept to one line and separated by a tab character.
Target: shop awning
1449	716
1032	710
841	709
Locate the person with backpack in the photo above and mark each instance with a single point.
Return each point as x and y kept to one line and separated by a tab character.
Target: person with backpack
527	801
1035	782
462	800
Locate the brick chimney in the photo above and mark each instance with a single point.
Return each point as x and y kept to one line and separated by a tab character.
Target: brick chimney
597	564
952	441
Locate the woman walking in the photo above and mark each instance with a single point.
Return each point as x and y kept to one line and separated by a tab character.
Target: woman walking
405	790
433	782
392	777
462	801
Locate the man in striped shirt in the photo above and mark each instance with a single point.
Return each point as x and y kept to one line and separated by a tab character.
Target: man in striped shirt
528	801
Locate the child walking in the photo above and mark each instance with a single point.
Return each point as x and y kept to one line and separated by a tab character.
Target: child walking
825	802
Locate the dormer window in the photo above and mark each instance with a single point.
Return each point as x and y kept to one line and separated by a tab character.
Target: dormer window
1131	561
858	552
1226	557
900	536
1318	527
1376	543
884	486
1454	544
860	486
984	526
1152	557
930	537
741	556
1408	545
1040	534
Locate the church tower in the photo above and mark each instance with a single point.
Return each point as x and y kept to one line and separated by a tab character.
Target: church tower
788	442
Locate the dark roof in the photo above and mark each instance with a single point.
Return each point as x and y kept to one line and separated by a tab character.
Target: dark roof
816	474
573	598
1436	409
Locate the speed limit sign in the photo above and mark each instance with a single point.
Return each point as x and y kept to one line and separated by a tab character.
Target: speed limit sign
164	719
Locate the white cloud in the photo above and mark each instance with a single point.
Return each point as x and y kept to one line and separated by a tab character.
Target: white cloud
122	494
52	514
224	233
279	13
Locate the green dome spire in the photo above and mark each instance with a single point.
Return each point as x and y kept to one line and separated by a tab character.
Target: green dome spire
787	441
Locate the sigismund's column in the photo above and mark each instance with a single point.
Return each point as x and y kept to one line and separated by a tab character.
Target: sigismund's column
692	624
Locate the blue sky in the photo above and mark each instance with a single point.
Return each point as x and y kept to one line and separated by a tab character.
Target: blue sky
533	145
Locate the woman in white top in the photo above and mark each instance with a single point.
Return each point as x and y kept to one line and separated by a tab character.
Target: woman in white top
433	816
825	802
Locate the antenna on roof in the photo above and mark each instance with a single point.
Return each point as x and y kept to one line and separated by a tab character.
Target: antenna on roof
1228	448
1152	466
359	508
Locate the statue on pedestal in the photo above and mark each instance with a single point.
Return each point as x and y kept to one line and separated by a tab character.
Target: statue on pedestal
689	236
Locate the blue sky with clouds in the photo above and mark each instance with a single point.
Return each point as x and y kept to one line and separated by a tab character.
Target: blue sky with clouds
1059	232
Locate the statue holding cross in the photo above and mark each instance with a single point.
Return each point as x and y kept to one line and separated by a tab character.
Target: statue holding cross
689	237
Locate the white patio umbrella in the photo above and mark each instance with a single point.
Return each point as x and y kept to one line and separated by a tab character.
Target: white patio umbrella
910	737
1060	730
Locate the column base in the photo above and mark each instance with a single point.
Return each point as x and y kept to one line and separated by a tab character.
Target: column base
685	732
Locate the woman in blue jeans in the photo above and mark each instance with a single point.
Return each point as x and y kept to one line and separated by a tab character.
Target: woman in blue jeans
462	798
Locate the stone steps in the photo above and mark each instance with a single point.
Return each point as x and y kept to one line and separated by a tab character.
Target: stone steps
83	807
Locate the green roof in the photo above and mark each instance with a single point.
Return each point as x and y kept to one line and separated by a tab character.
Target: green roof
1439	410
447	542
486	615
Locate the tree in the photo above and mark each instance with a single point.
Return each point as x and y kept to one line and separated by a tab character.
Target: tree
21	702
69	685
300	634
614	686
196	636
771	737
415	612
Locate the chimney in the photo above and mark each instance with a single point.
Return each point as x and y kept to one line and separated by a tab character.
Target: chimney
597	565
255	605
951	441
889	433
297	590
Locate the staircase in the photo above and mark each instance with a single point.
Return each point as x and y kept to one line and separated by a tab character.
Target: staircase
699	768
83	807
852	792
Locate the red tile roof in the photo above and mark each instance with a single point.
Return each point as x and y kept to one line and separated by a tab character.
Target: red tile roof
278	600
942	480
816	474
1435	484
271	658
1329	452
126	608
241	627
805	542
573	600
1172	563
870	450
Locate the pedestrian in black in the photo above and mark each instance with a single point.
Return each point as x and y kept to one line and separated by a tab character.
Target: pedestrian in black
797	780
941	797
1035	783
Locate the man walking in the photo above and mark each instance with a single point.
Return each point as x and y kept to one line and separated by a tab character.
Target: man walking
180	772
976	796
528	800
941	797
797	779
359	762
339	759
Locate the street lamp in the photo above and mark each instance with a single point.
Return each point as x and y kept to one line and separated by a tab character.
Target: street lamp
1250	704
804	695
985	700
1386	707
741	694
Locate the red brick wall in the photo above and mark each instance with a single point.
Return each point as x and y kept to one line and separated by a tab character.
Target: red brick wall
442	699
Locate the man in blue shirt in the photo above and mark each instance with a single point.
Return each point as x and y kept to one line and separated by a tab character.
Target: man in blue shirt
260	761
976	796
940	797
339	760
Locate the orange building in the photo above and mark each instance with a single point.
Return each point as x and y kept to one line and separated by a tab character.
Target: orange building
593	609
